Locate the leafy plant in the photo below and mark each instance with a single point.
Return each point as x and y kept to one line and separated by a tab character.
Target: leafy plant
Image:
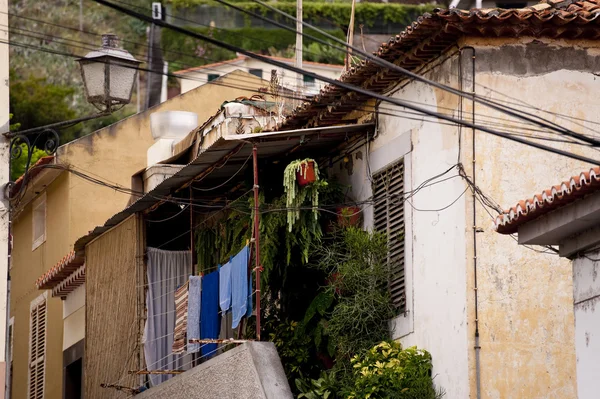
388	371
356	262
323	387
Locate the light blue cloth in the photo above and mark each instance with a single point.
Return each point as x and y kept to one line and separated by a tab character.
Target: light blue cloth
193	322
225	287
239	286
249	312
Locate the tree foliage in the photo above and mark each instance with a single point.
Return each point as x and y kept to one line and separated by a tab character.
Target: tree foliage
35	102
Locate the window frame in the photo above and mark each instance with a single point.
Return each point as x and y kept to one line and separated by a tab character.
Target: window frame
212	76
36	303
39	202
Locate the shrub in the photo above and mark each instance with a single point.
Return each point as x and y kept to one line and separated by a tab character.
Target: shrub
388	371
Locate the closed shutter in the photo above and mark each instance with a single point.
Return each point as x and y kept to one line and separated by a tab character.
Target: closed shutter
388	195
37	350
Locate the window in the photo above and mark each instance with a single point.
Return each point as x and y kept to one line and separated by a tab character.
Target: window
39	221
256	72
37	348
388	218
213	76
308	80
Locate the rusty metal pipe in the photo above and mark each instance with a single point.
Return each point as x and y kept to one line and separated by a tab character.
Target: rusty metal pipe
256	239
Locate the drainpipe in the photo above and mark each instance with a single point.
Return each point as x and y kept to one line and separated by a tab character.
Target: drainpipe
477	347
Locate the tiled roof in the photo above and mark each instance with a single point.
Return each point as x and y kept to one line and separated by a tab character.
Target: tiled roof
62	269
432	34
243	57
562	194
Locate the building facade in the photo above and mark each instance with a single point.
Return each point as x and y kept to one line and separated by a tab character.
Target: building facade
566	216
498	322
60	206
194	77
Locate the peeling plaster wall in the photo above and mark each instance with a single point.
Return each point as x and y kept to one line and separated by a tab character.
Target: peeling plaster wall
526	317
525	303
586	297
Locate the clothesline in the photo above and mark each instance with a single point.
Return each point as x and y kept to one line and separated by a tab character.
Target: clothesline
173	311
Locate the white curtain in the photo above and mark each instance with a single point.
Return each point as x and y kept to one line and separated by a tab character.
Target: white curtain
167	270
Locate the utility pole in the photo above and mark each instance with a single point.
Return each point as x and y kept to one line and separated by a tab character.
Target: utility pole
350	38
4	200
155	59
299	77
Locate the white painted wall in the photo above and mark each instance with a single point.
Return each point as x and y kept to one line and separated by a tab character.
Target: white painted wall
289	81
74	317
586	296
434	241
4	177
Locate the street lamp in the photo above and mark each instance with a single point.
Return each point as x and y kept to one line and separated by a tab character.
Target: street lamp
109	74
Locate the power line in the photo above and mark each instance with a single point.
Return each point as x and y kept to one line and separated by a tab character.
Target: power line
380	107
380	61
344	85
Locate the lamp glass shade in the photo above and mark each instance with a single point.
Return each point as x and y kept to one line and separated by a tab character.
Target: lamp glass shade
109	75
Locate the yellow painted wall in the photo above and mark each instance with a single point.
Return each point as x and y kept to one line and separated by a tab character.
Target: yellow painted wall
75	206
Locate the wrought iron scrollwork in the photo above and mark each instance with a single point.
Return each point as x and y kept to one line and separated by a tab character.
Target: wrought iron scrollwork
23	142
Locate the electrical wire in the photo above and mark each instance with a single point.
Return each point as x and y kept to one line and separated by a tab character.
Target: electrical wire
380	107
344	85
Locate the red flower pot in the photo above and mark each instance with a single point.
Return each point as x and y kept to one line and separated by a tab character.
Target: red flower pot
306	174
348	216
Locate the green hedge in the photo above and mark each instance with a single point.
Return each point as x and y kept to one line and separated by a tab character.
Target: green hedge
259	40
339	13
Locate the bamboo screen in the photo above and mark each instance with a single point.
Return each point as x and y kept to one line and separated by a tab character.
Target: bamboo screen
114	263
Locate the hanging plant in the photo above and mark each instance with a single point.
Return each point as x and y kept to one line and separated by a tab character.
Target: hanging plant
301	181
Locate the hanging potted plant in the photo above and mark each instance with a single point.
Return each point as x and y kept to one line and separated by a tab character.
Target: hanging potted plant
301	181
307	171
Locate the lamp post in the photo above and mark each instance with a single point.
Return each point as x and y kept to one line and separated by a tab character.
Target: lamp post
109	74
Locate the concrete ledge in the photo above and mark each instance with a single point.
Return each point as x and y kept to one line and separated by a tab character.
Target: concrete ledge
250	371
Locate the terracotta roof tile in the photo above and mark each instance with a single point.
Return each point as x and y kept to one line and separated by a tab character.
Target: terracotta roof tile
548	200
62	269
432	34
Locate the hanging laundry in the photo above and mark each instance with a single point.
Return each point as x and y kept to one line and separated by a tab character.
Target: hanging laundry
239	285
181	313
249	312
225	286
193	322
209	311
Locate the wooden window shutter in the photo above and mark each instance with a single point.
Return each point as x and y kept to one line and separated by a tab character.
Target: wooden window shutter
37	350
388	218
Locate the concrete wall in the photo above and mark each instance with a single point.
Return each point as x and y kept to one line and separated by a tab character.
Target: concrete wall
288	78
586	296
250	371
75	206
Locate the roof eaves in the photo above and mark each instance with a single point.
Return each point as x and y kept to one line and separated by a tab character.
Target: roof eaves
548	200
